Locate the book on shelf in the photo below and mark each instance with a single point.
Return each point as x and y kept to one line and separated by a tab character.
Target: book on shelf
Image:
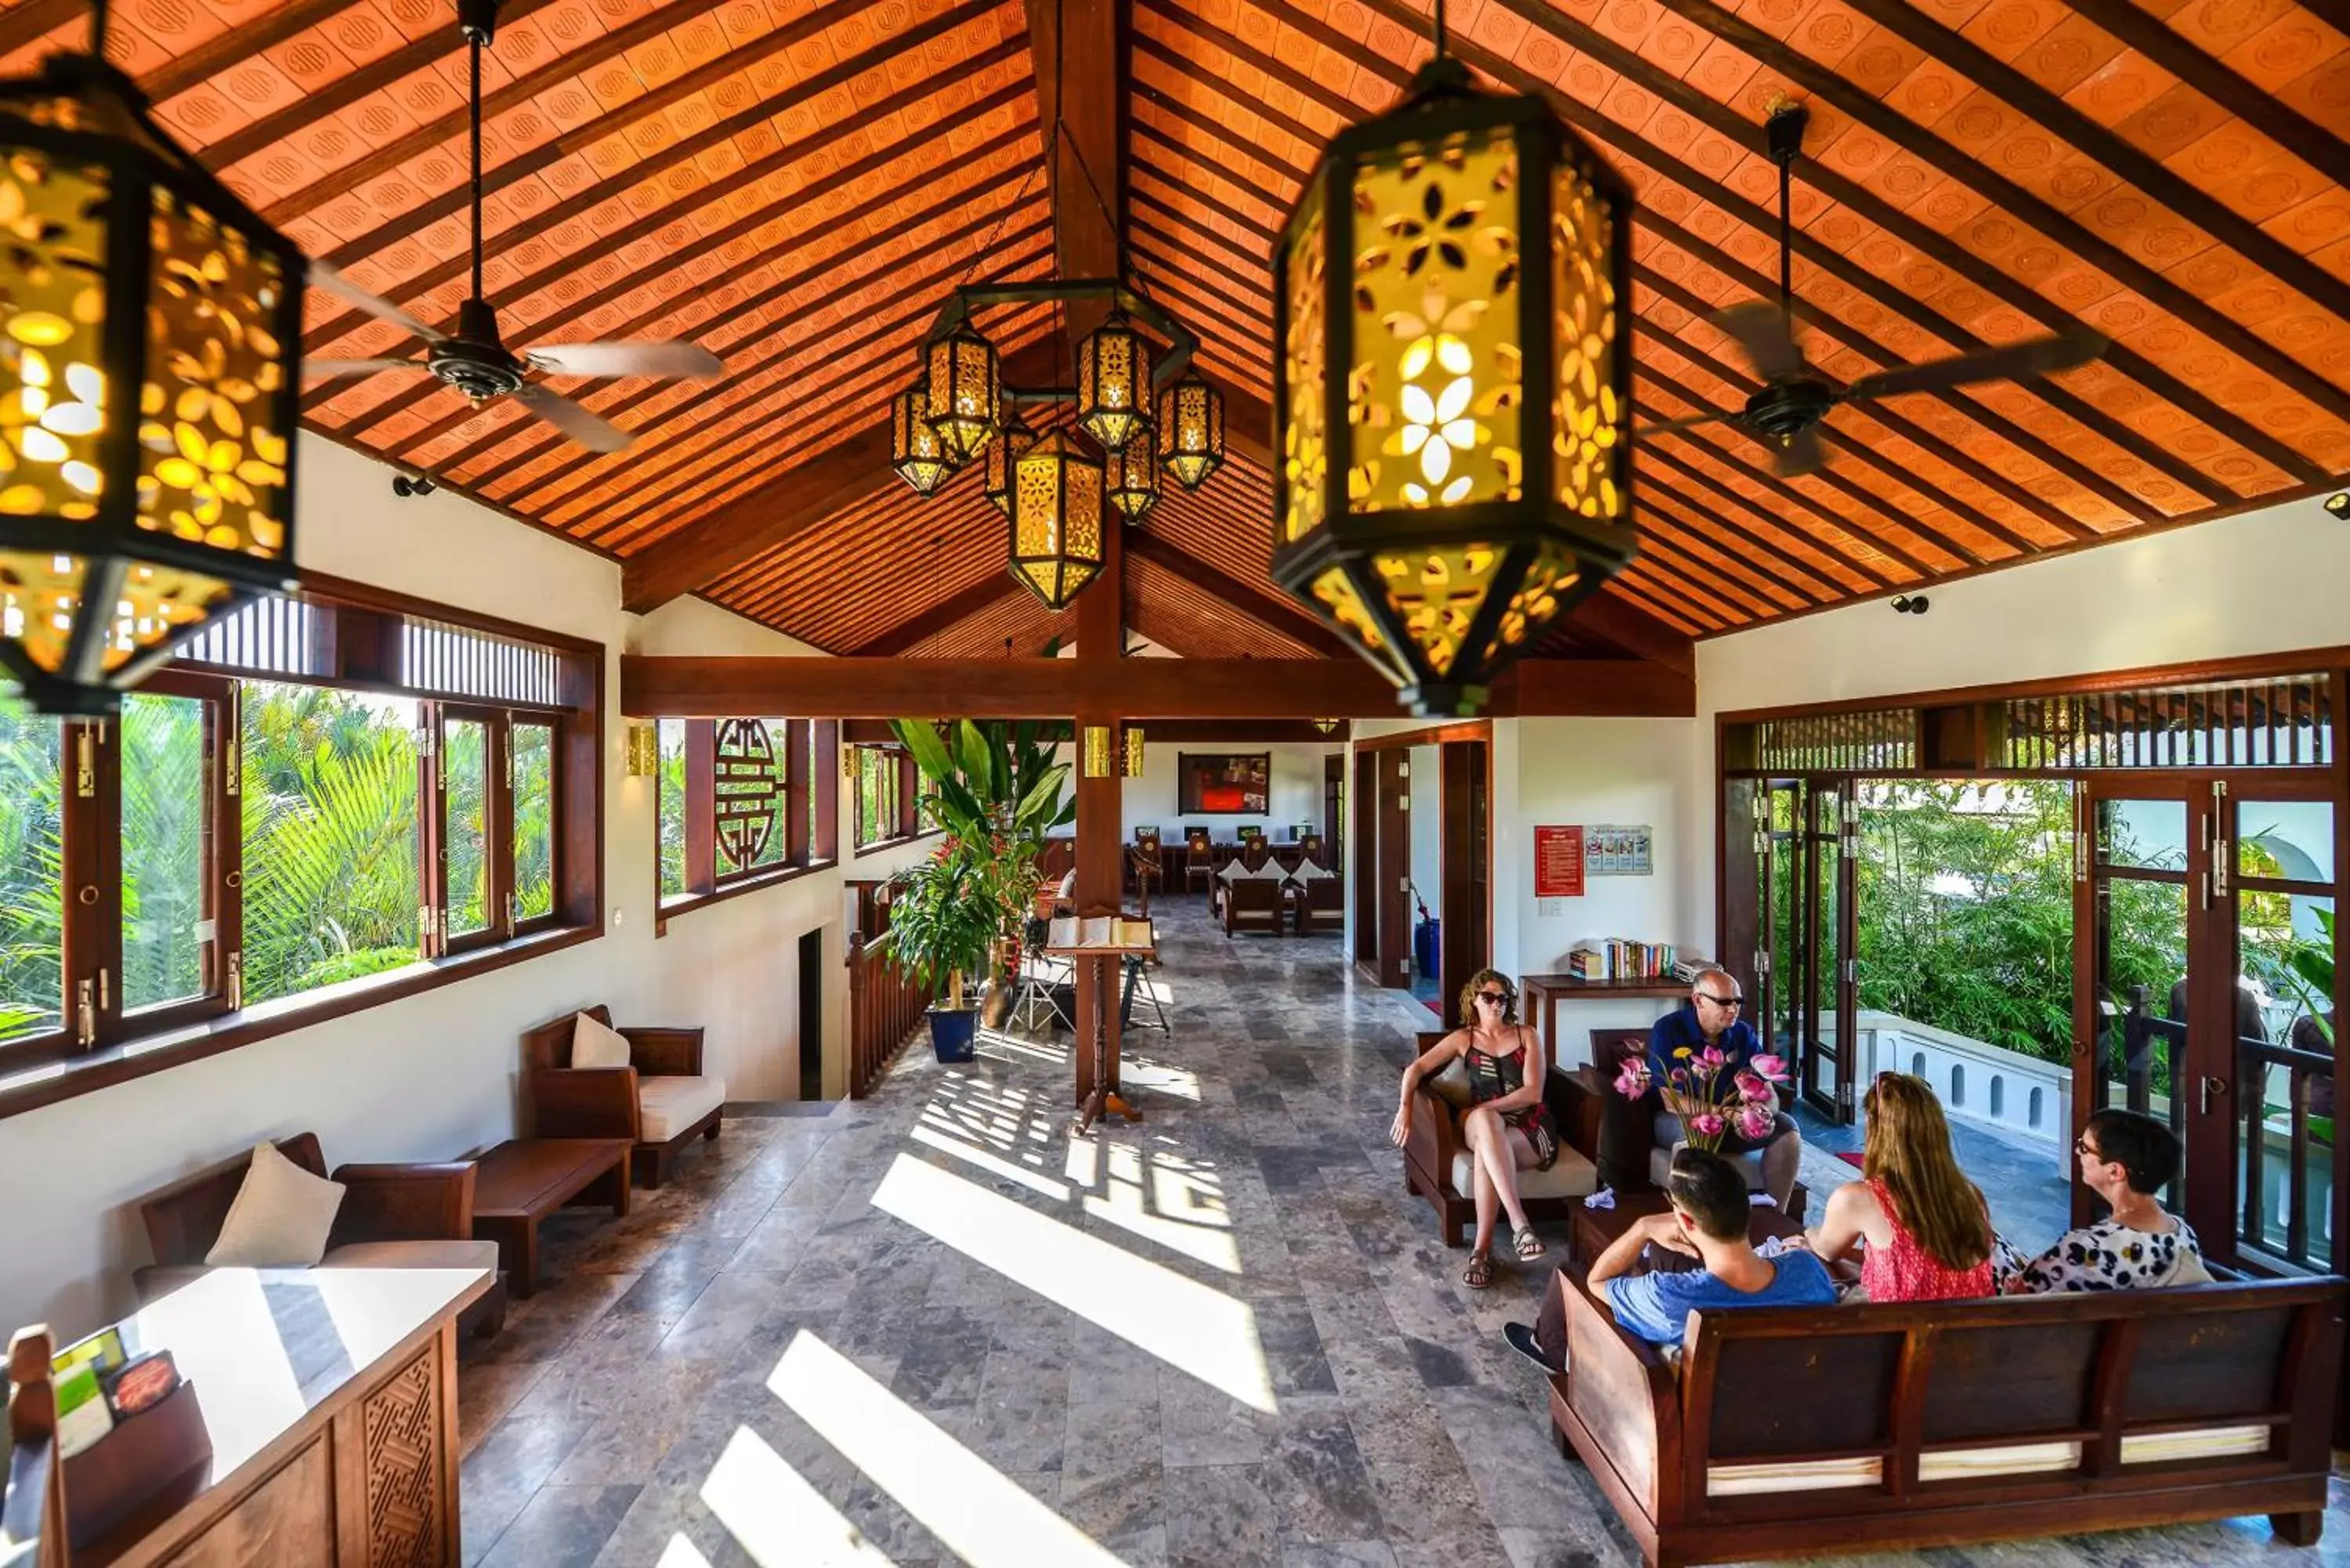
1620	957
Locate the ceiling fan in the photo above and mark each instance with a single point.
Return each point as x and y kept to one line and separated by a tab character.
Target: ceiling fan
473	359
1794	399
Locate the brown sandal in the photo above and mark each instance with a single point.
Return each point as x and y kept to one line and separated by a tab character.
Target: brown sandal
1478	1274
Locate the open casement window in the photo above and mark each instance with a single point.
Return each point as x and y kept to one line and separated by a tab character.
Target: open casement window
314	791
743	802
887	795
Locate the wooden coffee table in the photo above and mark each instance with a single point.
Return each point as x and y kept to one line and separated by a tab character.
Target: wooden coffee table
1594	1231
523	1180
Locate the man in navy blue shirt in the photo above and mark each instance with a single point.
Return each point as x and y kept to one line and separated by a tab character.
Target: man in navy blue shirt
1712	1017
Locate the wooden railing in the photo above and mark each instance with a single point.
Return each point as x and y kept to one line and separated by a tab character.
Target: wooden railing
884	1008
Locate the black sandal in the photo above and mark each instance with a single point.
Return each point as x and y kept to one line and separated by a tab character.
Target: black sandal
1478	1274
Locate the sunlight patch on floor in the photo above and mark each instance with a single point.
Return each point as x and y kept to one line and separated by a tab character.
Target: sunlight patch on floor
779	1519
1180	1225
991	1164
977	1512
1190	1326
1160	1079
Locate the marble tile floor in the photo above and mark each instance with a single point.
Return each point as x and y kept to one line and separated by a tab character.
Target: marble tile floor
928	1327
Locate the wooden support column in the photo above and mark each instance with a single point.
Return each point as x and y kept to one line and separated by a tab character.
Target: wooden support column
1101	638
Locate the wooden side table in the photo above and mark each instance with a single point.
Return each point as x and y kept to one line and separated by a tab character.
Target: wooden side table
522	1181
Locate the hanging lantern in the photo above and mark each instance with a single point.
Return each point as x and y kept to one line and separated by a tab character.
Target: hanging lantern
1452	385
1113	382
1129	763
1057	520
151	331
1130	477
1191	431
915	450
1328	726
1017	438
965	396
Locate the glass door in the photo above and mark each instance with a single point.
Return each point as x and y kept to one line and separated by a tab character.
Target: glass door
1824	1065
1779	972
2273	886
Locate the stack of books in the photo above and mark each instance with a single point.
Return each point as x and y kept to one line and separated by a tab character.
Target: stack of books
1619	957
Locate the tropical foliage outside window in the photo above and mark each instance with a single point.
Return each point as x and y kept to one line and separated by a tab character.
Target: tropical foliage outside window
672	808
32	872
534	820
884	810
164	797
464	782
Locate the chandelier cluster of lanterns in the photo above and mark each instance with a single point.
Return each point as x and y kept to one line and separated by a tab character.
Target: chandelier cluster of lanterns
1142	407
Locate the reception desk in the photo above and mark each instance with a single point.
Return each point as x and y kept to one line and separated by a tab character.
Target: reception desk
330	1400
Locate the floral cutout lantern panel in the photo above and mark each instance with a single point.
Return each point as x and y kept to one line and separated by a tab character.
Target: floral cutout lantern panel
149	328
1057	545
1191	431
964	394
1113	391
916	452
996	470
1130	476
1452	392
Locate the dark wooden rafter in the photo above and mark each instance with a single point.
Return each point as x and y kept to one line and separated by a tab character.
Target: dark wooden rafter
28	24
981	596
1258	605
215	55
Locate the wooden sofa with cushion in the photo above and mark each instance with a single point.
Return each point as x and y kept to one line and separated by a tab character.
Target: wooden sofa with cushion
660	1101
1321	904
416	1216
1805	1432
1252	904
1438	1165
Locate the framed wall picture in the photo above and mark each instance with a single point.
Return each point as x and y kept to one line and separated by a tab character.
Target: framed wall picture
1231	783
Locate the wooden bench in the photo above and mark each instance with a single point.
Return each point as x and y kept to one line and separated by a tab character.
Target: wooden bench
522	1182
1252	904
416	1215
1800	1431
660	1102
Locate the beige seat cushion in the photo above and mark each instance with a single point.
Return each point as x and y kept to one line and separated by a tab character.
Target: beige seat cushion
1570	1176
281	1216
595	1045
667	1107
440	1254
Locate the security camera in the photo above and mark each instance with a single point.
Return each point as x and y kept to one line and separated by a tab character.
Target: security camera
1909	604
403	485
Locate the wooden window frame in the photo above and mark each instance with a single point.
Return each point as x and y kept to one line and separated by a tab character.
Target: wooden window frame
354	644
811	788
904	808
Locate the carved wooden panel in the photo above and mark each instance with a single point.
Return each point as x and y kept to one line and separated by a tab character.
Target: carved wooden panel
285	1522
750	777
401	1425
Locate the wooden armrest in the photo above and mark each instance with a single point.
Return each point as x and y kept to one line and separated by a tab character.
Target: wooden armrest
405	1202
585	1102
1578	1100
665	1052
1624	1391
1435	1135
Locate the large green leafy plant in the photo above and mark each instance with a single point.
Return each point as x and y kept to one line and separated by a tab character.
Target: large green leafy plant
996	789
944	919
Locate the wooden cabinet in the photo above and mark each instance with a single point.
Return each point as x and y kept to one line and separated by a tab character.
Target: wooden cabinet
283	1522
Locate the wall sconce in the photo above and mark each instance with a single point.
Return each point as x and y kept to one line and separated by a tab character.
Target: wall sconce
1131	761
1097	751
643	750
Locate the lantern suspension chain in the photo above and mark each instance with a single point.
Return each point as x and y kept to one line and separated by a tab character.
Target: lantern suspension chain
1439	29
99	10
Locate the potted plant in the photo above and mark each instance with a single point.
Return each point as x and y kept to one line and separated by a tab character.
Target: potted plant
943	923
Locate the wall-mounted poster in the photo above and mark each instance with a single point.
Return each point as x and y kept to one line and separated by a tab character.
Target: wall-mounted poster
1558	862
1237	783
1619	851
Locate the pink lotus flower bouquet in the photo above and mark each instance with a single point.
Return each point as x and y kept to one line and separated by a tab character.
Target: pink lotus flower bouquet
1708	1108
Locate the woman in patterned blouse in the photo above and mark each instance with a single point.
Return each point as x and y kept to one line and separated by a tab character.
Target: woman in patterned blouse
2125	1158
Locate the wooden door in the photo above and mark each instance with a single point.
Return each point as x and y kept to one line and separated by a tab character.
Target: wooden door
1466	869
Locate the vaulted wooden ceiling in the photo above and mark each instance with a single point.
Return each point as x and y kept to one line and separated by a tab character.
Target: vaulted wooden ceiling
797	185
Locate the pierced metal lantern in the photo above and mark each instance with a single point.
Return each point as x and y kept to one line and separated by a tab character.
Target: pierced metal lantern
150	330
1113	382
915	450
1057	520
1129	763
1130	476
966	395
1191	431
996	479
1452	385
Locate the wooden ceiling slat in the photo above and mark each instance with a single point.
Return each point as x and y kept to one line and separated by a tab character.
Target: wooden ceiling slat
217	53
980	593
1733	124
1798	545
24	24
1657	497
1660	524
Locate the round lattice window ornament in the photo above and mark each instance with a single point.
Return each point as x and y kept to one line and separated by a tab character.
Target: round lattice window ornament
747	787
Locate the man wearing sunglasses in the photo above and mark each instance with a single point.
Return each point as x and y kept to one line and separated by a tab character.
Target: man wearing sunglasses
1715	1016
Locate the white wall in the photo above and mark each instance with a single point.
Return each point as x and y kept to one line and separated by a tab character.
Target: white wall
436	1074
1295	796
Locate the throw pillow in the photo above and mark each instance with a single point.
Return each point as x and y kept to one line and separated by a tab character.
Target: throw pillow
595	1045
281	1216
1451	1085
1270	871
1308	871
1231	872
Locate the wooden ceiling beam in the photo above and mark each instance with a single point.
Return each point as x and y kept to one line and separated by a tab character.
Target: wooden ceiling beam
979	596
1732	123
36	19
798	499
1722	535
1278	616
217	53
1608	615
659	687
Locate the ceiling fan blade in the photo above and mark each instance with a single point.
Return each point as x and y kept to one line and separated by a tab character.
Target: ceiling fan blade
686	359
328	278
1685	422
1761	331
1801	455
590	431
359	366
2010	362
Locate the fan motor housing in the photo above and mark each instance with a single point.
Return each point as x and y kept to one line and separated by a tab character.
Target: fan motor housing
476	361
1787	408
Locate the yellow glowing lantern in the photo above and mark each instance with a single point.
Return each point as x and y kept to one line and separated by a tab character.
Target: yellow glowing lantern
965	396
916	452
1131	758
1113	382
996	479
1057	520
151	331
1191	431
1452	385
1130	476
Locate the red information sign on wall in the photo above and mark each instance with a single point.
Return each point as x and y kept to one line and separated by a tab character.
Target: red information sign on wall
1558	862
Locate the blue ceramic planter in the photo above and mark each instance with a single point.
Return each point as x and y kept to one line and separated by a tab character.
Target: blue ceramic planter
953	1032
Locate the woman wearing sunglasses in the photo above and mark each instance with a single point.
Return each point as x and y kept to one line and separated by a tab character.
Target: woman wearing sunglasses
1507	1126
